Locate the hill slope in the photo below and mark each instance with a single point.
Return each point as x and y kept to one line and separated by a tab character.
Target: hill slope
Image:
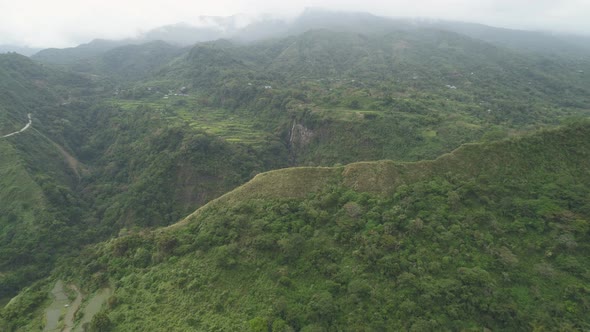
38	208
356	87
150	132
339	97
85	170
72	55
490	236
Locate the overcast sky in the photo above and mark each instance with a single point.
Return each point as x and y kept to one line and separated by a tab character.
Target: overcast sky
62	23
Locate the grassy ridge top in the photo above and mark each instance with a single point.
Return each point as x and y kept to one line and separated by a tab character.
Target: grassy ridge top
543	155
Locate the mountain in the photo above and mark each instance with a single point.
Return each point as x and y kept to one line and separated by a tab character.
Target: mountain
246	29
331	85
24	50
527	41
478	223
501	224
357	22
129	62
430	90
39	208
520	40
84	169
72	54
183	34
489	236
208	28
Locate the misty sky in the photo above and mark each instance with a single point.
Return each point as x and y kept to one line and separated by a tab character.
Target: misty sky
62	23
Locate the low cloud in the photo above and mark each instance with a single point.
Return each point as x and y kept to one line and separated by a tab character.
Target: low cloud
62	23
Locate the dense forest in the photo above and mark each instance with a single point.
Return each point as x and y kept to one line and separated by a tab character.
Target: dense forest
373	176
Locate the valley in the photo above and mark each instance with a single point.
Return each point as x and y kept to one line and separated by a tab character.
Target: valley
371	176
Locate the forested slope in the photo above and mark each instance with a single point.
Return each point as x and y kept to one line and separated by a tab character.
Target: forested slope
491	236
40	215
419	231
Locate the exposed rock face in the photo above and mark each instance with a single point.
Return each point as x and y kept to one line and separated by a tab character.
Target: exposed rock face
300	135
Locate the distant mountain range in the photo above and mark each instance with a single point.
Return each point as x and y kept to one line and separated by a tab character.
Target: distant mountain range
211	28
24	50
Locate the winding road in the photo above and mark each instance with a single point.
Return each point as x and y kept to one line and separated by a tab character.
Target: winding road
20	131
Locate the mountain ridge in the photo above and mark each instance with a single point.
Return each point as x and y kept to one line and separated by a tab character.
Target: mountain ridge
355	244
383	177
496	230
185	34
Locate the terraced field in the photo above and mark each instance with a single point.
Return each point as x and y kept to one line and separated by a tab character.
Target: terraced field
233	127
344	114
92	307
59	315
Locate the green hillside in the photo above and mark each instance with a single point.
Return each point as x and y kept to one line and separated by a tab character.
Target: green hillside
339	97
490	236
72	55
129	62
40	214
203	188
334	97
85	170
148	172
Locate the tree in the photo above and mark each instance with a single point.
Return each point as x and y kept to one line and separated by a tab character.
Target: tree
100	323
